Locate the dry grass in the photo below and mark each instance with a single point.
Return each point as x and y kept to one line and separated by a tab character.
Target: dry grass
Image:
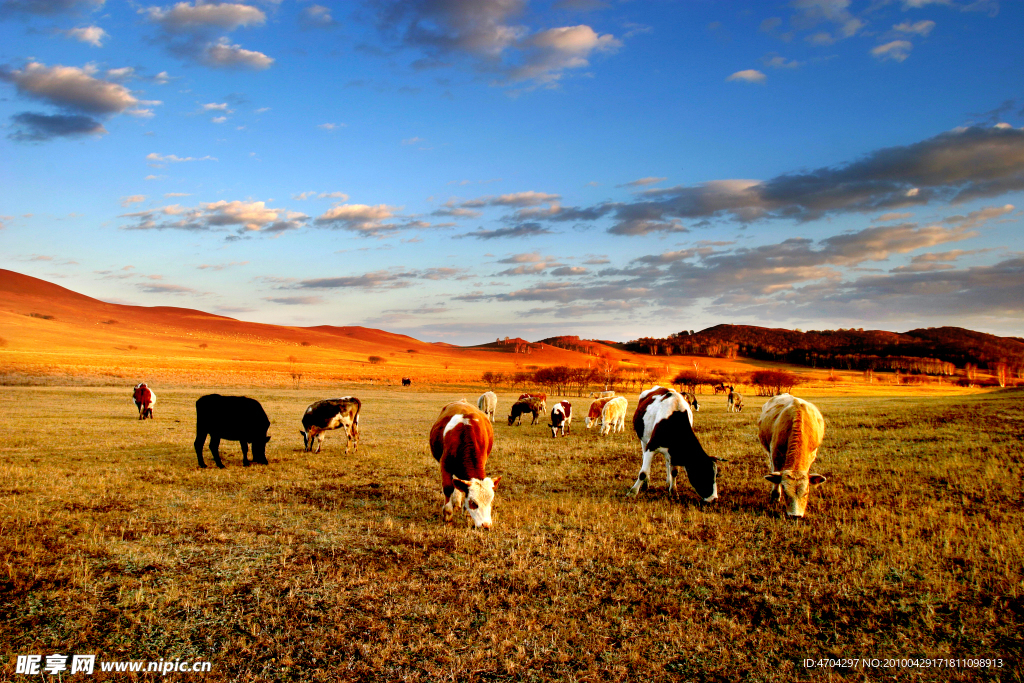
320	567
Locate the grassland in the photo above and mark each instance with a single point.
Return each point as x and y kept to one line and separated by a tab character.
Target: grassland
322	567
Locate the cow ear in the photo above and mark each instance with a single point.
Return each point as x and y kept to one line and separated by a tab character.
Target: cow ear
268	439
717	459
494	483
461	481
774	477
816	479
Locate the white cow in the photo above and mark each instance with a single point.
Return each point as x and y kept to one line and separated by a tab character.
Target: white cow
488	403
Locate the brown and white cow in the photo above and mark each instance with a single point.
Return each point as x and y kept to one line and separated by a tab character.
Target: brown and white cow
540	397
145	399
594	414
663	422
488	404
520	408
331	413
460	441
613	415
561	416
791	429
691	398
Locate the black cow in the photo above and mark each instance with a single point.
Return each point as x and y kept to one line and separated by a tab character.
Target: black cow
235	418
519	408
406	382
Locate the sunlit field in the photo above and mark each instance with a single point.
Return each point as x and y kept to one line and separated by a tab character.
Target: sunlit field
325	567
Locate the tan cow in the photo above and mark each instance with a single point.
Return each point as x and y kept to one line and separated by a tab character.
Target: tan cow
460	441
791	429
602	394
613	415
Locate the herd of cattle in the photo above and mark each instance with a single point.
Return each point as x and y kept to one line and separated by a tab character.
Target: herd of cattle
789	428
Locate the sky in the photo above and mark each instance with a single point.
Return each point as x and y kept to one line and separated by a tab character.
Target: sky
461	170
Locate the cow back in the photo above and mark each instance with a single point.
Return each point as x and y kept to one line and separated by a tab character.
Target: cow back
461	440
791	430
235	418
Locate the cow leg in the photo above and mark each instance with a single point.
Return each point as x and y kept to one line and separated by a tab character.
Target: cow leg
319	441
200	442
644	477
245	453
215	450
670	474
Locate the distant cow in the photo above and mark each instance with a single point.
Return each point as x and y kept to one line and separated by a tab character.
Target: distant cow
144	399
720	388
460	441
235	418
406	382
561	416
791	429
488	404
520	408
331	413
691	398
734	402
663	422
613	415
594	414
602	394
541	398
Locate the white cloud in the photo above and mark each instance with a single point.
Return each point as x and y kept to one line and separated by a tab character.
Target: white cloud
71	87
185	17
921	28
549	53
159	159
748	76
133	199
223	54
897	50
93	35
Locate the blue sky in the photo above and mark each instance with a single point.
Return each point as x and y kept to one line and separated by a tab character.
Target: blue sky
458	170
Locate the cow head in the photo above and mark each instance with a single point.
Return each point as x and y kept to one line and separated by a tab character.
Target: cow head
795	489
259	450
478	500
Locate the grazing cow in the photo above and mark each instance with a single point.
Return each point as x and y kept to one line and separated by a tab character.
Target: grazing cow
734	403
691	398
613	415
144	399
328	414
519	408
561	416
663	422
406	382
488	404
540	397
602	394
235	418
594	414
791	429
460	440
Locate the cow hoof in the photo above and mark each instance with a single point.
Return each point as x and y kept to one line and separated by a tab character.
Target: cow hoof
202	467
220	466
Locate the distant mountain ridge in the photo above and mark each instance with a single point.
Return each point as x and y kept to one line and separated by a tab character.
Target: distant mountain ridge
917	349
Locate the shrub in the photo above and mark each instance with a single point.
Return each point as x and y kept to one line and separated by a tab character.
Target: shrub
203	345
773	382
376	360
